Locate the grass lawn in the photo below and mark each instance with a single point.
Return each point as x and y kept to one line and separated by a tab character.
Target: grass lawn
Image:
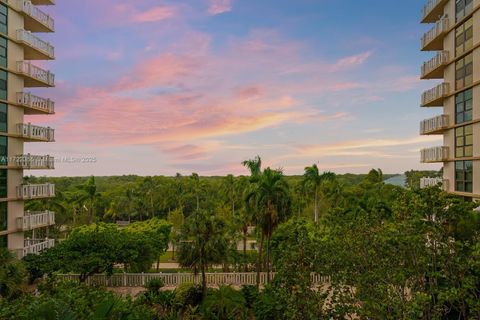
167	257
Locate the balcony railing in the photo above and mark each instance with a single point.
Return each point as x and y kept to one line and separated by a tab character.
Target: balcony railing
36	132
36	43
433	69
28	69
435	154
36	191
435	96
432	40
35	246
428	182
433	10
434	125
35	220
29	161
35	13
29	100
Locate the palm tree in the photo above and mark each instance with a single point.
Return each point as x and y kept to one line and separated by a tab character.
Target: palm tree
270	196
197	188
203	243
230	188
89	194
255	166
313	178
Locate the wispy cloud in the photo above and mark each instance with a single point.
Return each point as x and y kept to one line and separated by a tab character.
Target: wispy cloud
352	61
219	6
154	14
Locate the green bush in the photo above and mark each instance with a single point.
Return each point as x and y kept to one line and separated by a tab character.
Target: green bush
250	294
154	285
225	303
187	294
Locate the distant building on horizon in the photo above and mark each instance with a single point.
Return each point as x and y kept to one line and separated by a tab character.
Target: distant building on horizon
456	64
24	232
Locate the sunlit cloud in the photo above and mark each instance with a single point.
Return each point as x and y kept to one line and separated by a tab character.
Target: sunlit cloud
154	14
219	6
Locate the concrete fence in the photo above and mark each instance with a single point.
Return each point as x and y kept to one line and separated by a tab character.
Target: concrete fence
175	279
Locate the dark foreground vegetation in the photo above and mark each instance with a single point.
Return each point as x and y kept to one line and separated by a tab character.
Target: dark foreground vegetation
390	252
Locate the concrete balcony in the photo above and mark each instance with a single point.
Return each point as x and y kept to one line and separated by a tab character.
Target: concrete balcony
35	220
43	2
36	191
36	133
35	48
35	20
435	96
35	246
433	10
434	182
34	104
436	125
35	76
434	68
435	154
29	162
433	39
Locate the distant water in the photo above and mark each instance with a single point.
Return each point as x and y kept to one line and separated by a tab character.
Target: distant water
399	180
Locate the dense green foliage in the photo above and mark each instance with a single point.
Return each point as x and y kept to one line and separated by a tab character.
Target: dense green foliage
96	248
388	252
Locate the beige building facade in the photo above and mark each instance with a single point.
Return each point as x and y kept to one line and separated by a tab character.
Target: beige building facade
454	41
22	52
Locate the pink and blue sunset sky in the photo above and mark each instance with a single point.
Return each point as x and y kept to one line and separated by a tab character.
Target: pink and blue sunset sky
155	87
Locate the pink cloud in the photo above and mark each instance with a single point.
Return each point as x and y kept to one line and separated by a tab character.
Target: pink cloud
219	6
352	61
154	14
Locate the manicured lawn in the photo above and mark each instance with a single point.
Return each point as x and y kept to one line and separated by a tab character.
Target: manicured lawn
167	257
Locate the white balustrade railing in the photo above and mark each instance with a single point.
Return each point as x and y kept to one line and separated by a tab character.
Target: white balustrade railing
434	124
435	93
35	42
440	59
28	161
27	68
34	246
175	279
37	14
36	191
435	154
28	130
29	100
431	4
34	220
430	182
441	26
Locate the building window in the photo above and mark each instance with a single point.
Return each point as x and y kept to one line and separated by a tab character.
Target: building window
3	85
464	142
463	8
463	106
3	184
3	151
3	216
3	117
3	19
464	176
3	52
4	242
464	37
464	72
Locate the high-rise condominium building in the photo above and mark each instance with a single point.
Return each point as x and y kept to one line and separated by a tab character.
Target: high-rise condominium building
455	65
21	70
